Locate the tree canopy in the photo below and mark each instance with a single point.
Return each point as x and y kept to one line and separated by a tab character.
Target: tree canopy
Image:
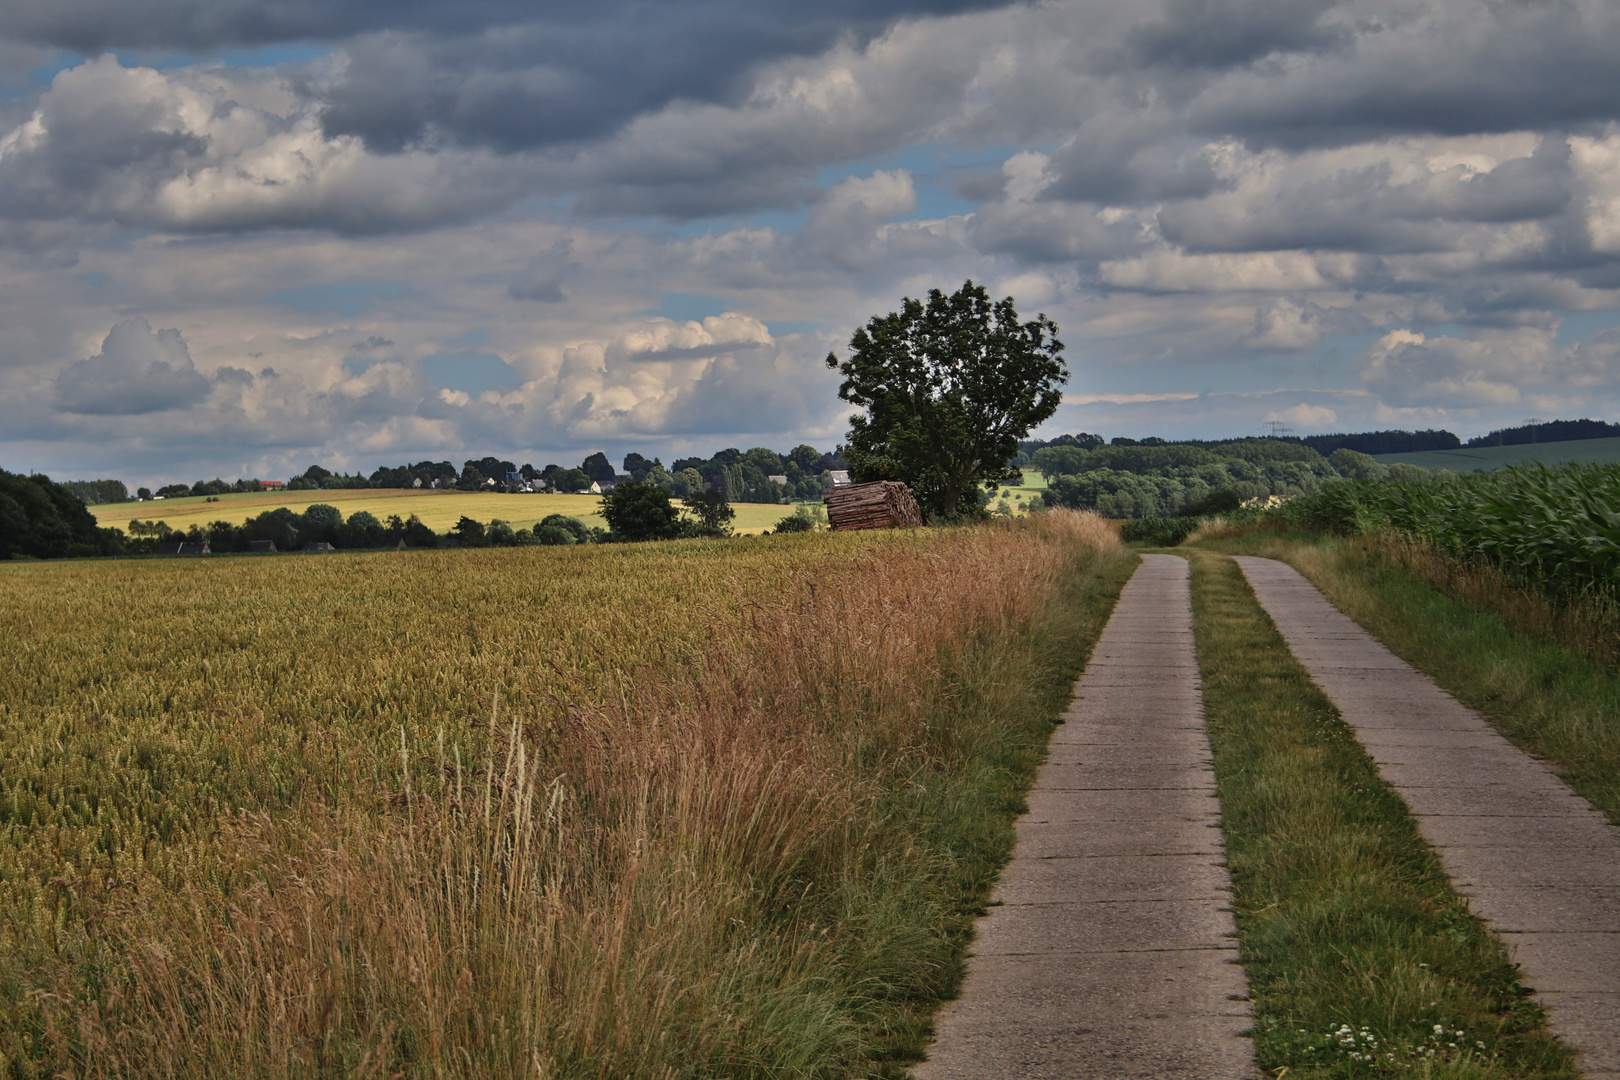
949	387
638	511
45	520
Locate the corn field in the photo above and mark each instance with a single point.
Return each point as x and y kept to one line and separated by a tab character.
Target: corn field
1554	529
669	810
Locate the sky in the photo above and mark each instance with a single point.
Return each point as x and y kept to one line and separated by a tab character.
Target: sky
238	237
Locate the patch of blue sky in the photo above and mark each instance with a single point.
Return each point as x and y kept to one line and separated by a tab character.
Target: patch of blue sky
1340	347
470	372
261	57
346	298
781	328
694	307
471	337
934	169
1434	330
1580	324
782	222
274	55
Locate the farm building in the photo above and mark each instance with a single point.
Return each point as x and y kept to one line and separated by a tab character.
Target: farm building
181	547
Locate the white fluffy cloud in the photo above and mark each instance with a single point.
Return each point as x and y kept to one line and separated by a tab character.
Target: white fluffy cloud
1523	365
135	372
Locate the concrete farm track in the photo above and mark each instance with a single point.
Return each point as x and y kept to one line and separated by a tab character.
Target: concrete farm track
1109	950
1535	860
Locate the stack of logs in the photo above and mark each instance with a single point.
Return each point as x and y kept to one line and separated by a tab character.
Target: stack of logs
883	504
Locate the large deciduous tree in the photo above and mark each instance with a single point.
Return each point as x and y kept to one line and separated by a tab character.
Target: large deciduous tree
949	387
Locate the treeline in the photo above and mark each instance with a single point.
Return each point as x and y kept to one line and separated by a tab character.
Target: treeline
1384	442
1163	480
44	520
289	530
1366	442
96	492
759	475
1547	432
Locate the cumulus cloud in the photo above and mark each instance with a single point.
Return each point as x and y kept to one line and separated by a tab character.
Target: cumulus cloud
209	150
136	372
1284	325
543	278
1490	368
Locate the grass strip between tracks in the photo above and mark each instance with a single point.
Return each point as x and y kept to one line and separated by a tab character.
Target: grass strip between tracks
1361	958
1496	648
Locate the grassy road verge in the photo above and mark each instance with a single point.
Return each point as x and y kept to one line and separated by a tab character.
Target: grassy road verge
1361	958
1550	702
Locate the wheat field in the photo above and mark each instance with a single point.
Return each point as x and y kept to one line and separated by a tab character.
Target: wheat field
558	812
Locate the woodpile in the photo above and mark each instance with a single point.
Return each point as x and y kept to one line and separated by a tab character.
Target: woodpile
882	504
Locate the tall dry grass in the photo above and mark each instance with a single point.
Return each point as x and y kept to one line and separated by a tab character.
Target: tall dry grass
691	865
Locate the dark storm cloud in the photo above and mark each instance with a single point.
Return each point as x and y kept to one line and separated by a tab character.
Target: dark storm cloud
1441	68
93	25
1225	33
499	73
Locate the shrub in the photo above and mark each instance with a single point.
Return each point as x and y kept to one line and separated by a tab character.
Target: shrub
796	522
1159	532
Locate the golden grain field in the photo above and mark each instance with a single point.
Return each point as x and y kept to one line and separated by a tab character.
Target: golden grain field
439	510
624	811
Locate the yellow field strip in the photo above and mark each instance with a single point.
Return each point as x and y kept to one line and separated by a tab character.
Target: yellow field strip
439	510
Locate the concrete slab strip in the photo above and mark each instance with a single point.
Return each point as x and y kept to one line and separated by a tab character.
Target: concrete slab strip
1110	951
1536	861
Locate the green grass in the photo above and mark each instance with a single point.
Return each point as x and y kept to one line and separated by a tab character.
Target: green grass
1471	459
1345	918
1551	703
